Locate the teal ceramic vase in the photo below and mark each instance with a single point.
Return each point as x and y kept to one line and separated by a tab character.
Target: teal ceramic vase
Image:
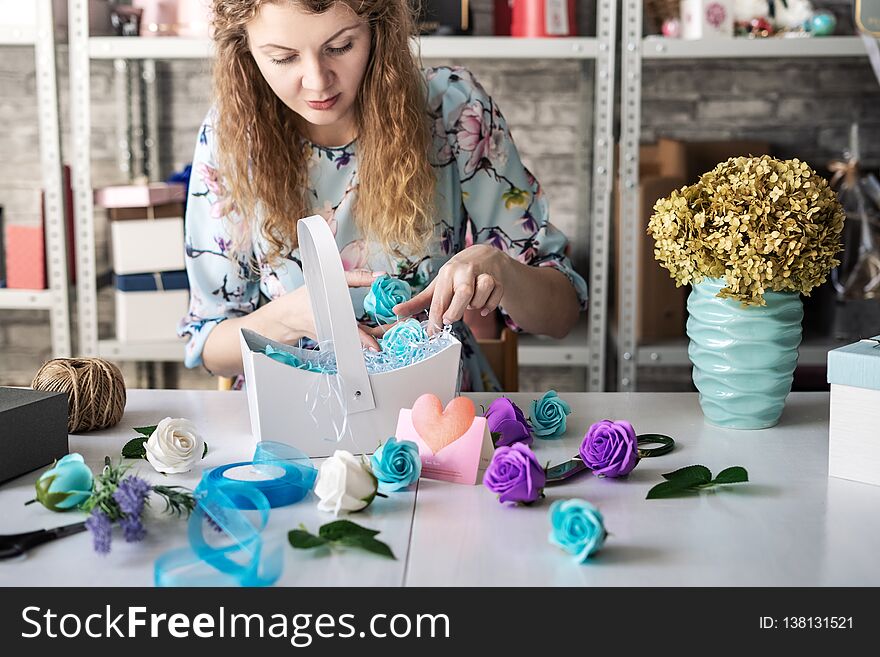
743	356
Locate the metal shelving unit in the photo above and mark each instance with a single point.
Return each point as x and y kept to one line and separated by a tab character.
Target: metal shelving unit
55	299
634	49
584	347
464	47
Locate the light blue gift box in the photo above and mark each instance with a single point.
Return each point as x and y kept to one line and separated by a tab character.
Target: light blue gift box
854	426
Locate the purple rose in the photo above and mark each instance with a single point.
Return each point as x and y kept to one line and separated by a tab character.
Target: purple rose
515	474
506	418
610	449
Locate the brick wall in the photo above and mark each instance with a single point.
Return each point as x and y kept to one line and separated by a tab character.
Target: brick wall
803	107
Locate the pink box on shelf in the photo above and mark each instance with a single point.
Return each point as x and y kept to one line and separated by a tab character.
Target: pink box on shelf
25	258
138	196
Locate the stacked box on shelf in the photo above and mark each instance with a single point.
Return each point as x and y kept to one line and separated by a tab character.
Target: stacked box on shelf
665	166
146	239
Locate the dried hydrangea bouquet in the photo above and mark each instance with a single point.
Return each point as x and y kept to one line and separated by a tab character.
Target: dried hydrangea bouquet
750	237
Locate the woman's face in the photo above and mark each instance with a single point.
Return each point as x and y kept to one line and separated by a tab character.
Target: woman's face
314	63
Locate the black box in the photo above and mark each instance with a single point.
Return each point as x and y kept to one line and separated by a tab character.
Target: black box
33	430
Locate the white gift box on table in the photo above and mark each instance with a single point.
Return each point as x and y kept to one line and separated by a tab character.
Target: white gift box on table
149	306
854	429
147	245
137	196
706	19
309	409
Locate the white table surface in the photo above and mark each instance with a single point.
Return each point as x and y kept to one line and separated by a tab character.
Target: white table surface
791	525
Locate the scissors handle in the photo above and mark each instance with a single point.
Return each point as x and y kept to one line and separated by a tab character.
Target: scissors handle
559	473
14	545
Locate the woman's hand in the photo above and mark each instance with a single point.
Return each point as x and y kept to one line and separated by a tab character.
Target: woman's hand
291	317
471	280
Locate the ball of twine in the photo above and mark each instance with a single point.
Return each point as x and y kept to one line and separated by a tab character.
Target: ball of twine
95	391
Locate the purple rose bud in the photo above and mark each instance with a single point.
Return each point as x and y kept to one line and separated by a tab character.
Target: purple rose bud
506	418
610	449
515	474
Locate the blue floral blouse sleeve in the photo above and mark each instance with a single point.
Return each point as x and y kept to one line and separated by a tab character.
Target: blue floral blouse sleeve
504	204
220	286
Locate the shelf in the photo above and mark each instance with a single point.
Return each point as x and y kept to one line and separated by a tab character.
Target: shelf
743	47
161	350
431	48
26	299
572	350
674	353
149	48
17	35
508	48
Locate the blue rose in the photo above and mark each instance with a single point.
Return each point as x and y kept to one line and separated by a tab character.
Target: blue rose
66	485
289	359
403	338
548	415
577	527
385	293
396	465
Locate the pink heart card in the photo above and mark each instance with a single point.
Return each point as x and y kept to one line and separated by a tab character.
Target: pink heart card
454	444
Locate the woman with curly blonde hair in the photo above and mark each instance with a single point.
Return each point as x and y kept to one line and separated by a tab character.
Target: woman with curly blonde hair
321	108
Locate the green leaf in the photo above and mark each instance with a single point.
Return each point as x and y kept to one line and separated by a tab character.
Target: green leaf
340	529
369	544
694	474
52	500
496	436
146	431
735	475
134	449
669	489
303	539
205	453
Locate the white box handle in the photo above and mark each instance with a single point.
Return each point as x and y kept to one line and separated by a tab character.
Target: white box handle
334	313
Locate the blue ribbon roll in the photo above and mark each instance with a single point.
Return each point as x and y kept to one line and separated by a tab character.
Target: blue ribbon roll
233	503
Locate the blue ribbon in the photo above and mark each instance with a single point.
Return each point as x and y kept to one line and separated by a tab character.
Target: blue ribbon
233	507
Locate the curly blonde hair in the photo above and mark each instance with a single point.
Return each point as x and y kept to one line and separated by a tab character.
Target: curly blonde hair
263	148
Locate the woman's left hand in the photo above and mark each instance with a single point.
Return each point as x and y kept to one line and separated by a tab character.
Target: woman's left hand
472	279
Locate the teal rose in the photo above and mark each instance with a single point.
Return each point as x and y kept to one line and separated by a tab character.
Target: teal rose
577	527
396	464
66	485
548	415
385	293
403	338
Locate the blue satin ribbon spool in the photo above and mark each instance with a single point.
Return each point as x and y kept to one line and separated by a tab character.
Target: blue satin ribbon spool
236	508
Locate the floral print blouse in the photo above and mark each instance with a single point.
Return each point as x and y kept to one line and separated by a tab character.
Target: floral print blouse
484	195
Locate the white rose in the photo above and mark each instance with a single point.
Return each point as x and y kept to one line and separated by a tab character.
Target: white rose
174	446
345	483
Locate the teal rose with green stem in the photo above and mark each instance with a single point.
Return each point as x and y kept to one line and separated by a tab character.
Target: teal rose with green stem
66	485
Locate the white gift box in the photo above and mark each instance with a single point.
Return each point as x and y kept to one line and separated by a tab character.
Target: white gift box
854	429
149	306
706	19
309	409
18	14
147	245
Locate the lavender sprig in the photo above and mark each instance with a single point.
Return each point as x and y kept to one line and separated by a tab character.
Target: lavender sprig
117	498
